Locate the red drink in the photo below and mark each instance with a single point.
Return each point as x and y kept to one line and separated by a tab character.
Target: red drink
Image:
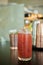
24	46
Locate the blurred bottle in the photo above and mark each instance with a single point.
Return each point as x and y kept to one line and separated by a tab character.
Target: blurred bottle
34	26
27	22
28	25
39	35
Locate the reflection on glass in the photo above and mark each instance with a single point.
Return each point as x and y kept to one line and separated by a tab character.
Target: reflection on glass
13	56
39	57
24	63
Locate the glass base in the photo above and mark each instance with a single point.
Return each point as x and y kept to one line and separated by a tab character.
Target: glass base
13	48
24	59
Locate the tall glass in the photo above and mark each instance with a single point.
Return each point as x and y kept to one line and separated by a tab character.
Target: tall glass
24	45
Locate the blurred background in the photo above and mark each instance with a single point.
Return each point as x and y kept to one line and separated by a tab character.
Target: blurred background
12	15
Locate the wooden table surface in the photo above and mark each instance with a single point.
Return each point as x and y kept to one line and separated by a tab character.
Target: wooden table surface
10	57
